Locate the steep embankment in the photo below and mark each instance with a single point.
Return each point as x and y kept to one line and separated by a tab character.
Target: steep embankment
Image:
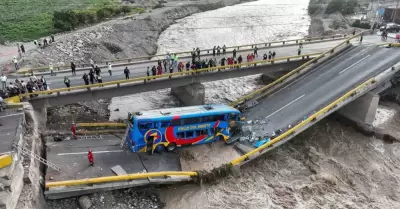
128	37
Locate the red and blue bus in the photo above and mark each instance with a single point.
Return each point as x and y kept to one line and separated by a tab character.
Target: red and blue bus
167	129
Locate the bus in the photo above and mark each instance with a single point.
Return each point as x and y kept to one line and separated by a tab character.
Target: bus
166	129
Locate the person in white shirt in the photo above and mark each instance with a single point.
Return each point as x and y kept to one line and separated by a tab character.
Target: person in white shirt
3	80
110	69
92	63
15	61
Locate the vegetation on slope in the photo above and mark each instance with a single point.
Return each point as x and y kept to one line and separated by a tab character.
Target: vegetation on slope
30	19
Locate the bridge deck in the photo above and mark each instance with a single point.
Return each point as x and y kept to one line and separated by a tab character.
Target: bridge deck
319	87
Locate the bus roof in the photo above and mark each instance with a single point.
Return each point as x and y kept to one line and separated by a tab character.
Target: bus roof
200	110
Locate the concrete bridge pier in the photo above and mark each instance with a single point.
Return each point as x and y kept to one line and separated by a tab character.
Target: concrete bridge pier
362	110
189	95
41	117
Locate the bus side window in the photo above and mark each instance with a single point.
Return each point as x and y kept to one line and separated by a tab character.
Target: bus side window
145	126
164	124
176	122
189	134
181	135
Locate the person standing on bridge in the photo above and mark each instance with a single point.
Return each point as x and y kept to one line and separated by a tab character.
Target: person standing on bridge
193	56
73	68
273	55
255	51
97	70
269	55
91	63
110	69
187	66
298	52
218	50
148	73
214	50
91	76
66	81
159	69
153	71
234	53
165	65
90	157
3	79
198	52
99	79
51	67
224	49
127	73
85	78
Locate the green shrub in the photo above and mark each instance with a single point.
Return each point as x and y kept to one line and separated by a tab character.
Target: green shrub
345	7
65	20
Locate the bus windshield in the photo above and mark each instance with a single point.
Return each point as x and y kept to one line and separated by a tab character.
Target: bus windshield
167	129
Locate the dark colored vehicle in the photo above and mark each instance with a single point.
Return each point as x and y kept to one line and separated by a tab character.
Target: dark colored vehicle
390	28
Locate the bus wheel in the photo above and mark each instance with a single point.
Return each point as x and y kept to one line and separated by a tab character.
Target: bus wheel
159	148
171	147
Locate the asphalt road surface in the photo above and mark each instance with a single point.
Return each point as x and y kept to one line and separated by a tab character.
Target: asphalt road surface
139	69
320	87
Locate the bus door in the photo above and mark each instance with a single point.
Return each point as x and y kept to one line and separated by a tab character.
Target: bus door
151	146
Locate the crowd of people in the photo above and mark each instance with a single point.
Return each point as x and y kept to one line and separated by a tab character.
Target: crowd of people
19	86
169	64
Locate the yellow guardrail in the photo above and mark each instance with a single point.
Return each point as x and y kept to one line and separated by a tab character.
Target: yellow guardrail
165	75
101	124
281	79
106	179
12	100
305	122
5	160
327	38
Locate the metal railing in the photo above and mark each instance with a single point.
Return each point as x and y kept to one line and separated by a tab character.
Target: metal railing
183	73
208	51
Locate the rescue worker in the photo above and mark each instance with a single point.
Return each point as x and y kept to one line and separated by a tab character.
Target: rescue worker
66	81
85	78
73	68
90	157
127	73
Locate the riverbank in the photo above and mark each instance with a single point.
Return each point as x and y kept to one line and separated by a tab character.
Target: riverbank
132	36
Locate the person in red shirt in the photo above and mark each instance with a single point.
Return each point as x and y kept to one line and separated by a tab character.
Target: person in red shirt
159	70
90	157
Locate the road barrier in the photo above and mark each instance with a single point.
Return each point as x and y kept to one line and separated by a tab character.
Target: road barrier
286	76
101	125
183	73
208	51
127	177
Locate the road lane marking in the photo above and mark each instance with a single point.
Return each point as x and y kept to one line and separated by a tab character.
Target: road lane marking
354	64
95	152
285	106
10	115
